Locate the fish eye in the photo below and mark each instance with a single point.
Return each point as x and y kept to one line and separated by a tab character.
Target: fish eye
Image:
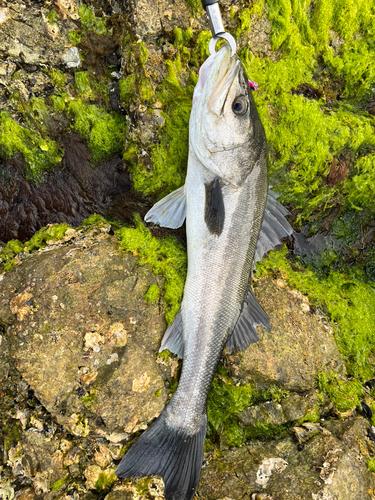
239	106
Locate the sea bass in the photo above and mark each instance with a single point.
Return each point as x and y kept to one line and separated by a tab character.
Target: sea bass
231	222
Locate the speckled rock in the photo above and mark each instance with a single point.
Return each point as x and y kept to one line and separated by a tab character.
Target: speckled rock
331	467
83	337
27	36
299	346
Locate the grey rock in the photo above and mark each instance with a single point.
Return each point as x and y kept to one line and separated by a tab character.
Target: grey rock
328	467
295	351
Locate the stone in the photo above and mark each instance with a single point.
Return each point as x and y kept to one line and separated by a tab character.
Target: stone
294	352
327	467
67	311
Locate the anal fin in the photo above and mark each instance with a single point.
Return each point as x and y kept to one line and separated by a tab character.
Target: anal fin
173	339
251	316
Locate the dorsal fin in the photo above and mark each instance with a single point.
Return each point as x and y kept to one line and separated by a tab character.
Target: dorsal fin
274	227
214	213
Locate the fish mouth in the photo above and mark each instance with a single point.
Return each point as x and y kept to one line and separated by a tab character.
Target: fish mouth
216	77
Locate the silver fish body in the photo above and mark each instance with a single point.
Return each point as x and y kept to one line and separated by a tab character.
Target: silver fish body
225	203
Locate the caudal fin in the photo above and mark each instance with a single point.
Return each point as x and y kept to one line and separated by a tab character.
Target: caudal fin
167	452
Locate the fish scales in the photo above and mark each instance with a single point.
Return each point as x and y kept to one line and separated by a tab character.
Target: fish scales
208	316
223	200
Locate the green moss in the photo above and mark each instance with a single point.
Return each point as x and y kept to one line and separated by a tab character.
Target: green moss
169	155
166	257
266	431
59	102
152	294
305	134
195	7
82	81
40	153
46	234
158	393
348	300
344	394
93	219
142	486
312	415
225	402
104	132
371	464
39	240
57	484
89	400
52	16
127	87
246	15
9	251
90	22
105	480
12	433
75	37
58	77
182	37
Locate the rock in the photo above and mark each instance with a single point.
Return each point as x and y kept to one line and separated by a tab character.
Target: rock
83	337
265	413
35	41
294	352
328	467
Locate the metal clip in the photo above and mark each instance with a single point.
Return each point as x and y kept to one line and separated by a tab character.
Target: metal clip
228	37
217	28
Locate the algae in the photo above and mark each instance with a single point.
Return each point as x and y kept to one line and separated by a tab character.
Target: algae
349	301
57	484
165	256
345	394
40	153
39	240
105	480
103	131
225	402
90	22
152	294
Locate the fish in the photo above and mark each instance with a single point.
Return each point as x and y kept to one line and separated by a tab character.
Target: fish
232	221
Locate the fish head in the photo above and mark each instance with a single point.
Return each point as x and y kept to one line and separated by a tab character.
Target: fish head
225	131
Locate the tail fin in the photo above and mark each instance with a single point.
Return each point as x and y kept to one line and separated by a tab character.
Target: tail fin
172	454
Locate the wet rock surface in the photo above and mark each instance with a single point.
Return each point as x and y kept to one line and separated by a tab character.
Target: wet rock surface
82	336
328	467
80	376
299	346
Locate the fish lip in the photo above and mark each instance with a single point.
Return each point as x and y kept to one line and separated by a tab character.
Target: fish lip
218	98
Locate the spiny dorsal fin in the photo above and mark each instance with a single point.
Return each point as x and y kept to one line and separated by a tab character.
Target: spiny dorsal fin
170	211
274	227
214	213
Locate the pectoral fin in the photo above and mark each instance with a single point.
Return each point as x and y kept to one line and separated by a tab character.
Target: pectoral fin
170	211
214	213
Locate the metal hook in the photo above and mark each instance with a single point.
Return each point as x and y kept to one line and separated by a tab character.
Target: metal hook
228	37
